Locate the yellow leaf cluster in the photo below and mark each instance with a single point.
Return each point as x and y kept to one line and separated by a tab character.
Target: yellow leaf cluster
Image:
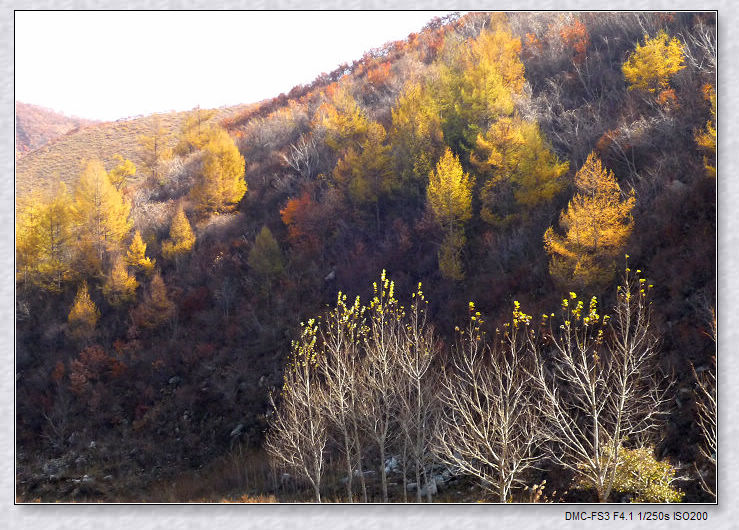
596	225
449	191
84	315
101	213
136	255
221	185
651	65
44	232
181	237
519	169
120	286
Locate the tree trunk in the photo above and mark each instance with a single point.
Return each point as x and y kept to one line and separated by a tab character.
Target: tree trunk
383	475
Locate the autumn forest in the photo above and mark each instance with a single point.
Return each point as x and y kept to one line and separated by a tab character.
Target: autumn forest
474	265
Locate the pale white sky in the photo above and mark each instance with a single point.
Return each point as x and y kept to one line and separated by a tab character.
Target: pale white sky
110	65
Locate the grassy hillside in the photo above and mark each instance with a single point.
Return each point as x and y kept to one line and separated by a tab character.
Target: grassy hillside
36	126
64	156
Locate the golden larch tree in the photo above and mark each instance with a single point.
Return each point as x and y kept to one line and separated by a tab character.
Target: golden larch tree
221	184
155	149
136	255
44	232
101	213
706	138
596	225
650	66
83	316
265	257
120	286
181	237
449	196
120	174
519	169
478	82
195	131
415	137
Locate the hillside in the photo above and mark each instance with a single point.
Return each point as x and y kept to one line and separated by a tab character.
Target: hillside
63	155
299	302
36	126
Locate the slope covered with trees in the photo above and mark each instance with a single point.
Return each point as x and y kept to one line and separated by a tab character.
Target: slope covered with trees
179	331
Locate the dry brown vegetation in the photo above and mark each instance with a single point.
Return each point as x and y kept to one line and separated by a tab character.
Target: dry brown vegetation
64	155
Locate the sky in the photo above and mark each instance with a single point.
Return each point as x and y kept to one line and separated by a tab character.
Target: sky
110	65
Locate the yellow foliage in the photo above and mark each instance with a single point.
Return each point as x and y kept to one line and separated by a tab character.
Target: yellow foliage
84	315
415	136
101	212
449	191
596	224
136	255
120	286
520	169
181	237
43	238
645	478
156	307
364	171
651	65
195	132
706	139
221	185
155	149
345	122
450	255
478	82
120	173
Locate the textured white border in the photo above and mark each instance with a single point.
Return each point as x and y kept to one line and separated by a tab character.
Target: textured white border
459	517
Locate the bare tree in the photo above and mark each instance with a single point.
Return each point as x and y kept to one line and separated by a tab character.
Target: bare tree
298	434
341	335
416	397
378	395
599	384
489	425
706	416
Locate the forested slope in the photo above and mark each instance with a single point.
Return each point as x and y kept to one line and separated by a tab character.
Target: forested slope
492	158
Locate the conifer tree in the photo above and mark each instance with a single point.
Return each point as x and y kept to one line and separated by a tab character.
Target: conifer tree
181	237
221	185
120	286
121	172
84	315
155	150
102	214
195	131
478	82
520	170
596	225
43	238
136	255
651	65
265	257
449	197
415	138
156	307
